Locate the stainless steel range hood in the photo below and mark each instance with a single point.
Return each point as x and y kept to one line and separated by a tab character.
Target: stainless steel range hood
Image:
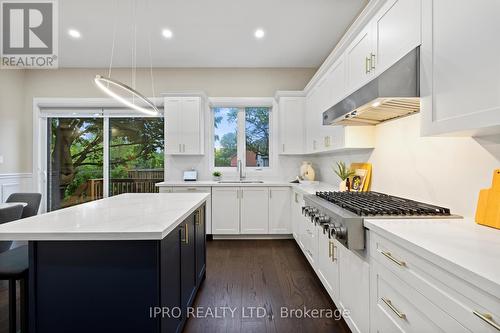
393	94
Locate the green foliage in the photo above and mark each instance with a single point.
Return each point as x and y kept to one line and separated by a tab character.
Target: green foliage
217	174
342	171
257	130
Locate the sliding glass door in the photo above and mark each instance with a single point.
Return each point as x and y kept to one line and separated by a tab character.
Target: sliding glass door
135	155
91	158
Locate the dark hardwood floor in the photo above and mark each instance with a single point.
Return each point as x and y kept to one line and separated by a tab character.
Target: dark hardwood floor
4	306
260	273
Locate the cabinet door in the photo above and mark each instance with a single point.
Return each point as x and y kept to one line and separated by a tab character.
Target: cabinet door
225	210
313	121
397	31
171	278
200	243
173	131
358	55
336	82
460	70
354	286
254	210
292	125
328	265
191	129
296	211
279	210
208	207
188	262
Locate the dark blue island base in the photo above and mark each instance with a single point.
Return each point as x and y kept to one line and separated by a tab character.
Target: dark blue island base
113	286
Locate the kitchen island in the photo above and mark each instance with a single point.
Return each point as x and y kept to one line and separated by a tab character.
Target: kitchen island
107	265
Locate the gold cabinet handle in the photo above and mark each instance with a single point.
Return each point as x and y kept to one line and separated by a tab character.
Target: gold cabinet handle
487	318
186	234
197	218
367	66
372	60
329	249
393	308
389	256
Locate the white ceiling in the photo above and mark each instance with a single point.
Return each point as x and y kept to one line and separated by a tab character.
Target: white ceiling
207	33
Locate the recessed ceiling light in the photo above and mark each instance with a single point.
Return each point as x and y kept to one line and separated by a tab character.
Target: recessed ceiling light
74	33
167	33
259	33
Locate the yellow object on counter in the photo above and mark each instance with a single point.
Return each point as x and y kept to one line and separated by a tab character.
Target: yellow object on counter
488	206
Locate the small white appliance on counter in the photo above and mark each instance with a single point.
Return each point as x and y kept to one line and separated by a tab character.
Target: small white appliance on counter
190	175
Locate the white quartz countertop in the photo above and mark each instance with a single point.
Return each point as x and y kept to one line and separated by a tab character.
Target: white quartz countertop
459	245
304	188
122	217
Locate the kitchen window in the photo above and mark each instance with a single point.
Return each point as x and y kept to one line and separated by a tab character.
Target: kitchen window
241	133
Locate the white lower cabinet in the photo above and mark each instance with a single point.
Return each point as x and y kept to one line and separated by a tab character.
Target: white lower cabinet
328	264
254	210
297	202
226	210
354	288
279	210
409	293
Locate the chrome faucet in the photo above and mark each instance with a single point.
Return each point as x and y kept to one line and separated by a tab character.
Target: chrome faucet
240	170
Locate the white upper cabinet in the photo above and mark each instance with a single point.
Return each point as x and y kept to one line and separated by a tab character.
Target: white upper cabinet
254	210
184	125
460	72
396	31
292	129
279	210
336	82
360	55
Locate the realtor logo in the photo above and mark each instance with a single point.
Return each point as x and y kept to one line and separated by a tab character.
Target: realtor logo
29	34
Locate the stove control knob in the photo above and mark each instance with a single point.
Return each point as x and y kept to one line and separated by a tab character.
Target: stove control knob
338	231
322	219
313	211
305	210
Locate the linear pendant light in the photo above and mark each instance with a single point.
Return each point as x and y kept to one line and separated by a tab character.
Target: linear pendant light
138	102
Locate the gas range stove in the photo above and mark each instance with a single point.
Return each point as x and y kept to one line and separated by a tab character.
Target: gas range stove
341	214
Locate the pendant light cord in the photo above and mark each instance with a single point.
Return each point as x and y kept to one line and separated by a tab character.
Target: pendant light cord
150	53
114	39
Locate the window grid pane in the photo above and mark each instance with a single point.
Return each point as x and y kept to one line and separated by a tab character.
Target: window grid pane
225	137
257	136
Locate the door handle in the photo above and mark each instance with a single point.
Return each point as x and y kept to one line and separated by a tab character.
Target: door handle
393	308
488	319
372	60
197	218
389	256
186	234
367	66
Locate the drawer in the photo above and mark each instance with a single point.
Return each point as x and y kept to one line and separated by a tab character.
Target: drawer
186	189
164	189
396	307
474	308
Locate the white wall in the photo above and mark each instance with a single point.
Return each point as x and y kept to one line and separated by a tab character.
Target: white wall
14	136
447	171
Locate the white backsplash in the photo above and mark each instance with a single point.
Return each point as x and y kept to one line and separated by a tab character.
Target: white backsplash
446	171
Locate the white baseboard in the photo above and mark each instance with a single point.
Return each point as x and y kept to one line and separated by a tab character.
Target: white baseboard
254	237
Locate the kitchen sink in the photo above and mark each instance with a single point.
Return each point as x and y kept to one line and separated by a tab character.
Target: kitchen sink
240	182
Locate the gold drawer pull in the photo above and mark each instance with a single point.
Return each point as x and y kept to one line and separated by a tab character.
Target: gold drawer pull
186	234
389	256
487	318
393	308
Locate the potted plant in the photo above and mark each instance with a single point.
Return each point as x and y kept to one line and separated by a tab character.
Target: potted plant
344	173
217	175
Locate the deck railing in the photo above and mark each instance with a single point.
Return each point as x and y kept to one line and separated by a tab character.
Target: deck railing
122	185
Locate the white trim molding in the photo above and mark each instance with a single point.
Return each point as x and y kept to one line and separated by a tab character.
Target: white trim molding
15	182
